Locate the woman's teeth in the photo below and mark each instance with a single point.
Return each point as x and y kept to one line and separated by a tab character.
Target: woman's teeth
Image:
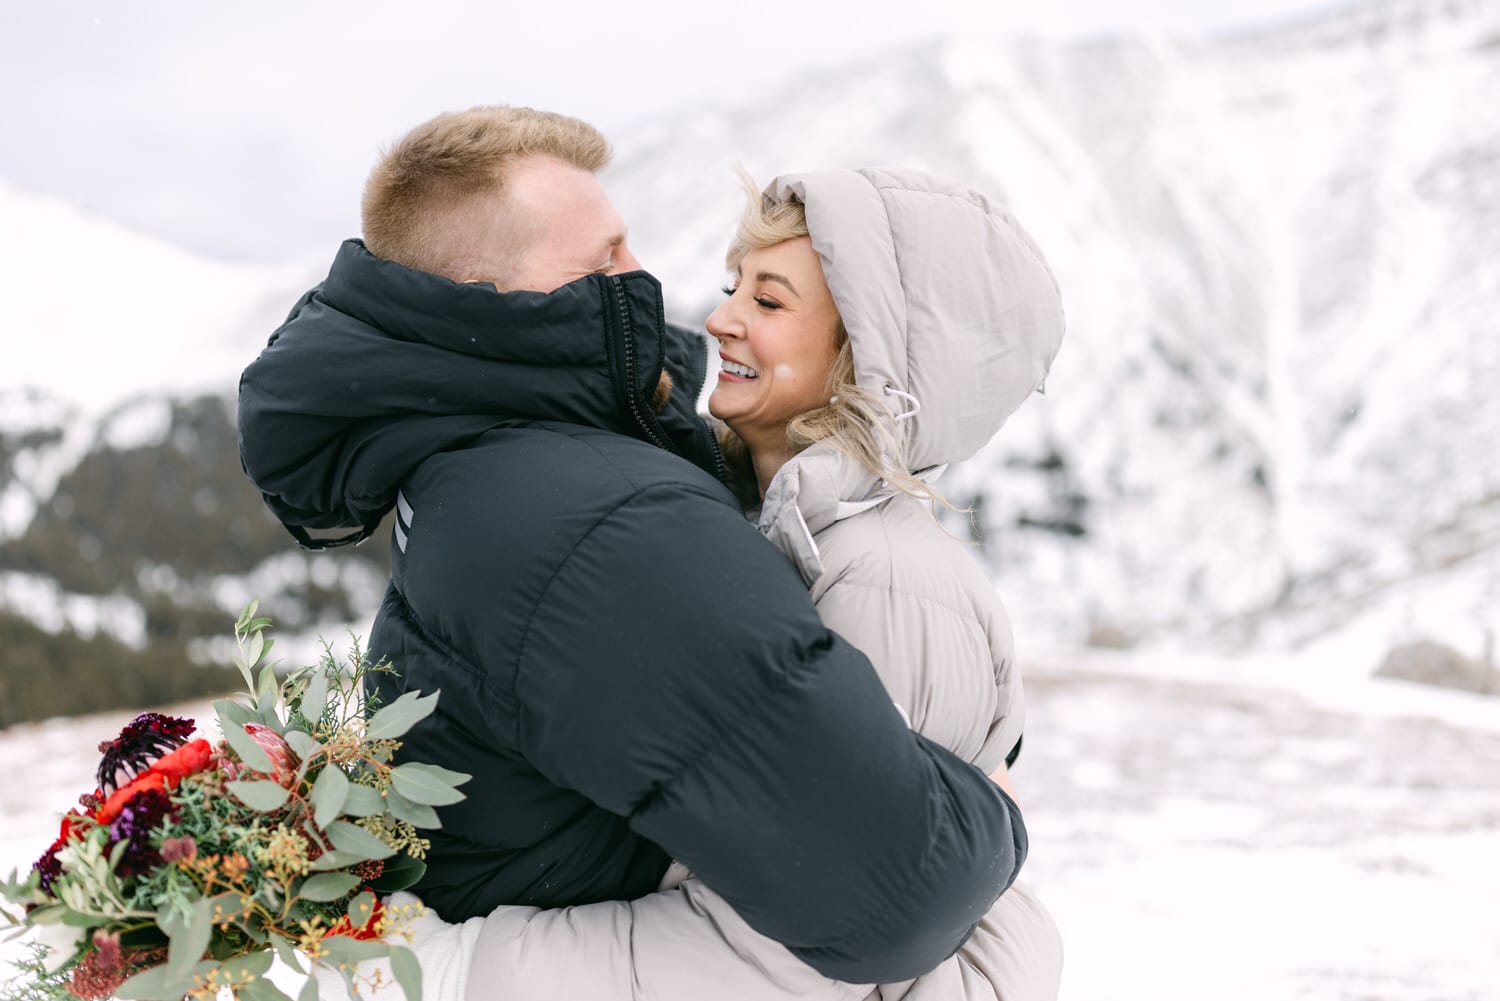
743	371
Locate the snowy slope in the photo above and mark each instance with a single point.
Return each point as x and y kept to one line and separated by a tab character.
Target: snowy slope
96	312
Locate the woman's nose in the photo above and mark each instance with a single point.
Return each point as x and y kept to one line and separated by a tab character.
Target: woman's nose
721	322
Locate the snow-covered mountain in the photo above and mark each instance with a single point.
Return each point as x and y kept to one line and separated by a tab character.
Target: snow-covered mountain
1271	421
1280	257
129	537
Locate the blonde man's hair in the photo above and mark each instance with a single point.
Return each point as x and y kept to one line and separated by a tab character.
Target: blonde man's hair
431	202
855	421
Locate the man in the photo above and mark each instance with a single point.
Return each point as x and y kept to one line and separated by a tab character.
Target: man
628	670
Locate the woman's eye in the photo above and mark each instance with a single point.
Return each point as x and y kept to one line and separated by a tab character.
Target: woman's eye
765	303
729	289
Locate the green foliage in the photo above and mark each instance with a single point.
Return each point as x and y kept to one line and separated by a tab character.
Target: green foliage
34	982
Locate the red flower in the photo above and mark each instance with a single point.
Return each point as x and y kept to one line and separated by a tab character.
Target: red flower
147	781
189	759
163	775
366	931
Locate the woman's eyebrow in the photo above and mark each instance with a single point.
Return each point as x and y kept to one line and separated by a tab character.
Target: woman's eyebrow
771	276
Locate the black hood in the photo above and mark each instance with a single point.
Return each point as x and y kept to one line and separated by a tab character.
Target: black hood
382	366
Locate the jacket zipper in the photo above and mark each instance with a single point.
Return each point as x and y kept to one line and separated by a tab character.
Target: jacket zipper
632	397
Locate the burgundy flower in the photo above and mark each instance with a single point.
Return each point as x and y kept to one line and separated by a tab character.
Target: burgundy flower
50	868
48	865
173	849
144	739
137	820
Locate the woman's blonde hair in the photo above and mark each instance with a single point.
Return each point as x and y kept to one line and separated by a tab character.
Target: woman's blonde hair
855	421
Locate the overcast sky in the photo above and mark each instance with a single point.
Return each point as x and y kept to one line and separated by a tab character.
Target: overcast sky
244	130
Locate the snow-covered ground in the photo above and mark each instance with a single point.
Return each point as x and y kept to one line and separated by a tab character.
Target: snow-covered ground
1209	840
1201	840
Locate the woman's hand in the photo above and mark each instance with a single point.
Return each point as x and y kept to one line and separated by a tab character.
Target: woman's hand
1001	777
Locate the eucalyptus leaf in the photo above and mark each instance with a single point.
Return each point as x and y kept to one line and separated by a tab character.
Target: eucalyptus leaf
232	711
328	795
258	794
74	919
315	698
400	716
287	953
416	814
242	968
401	872
302	743
51	914
348	838
326	886
427	784
249	751
335	860
244	669
227	907
148	985
343	949
185	949
360	909
246	615
256	648
408	971
268	692
172	918
261	990
309	990
363	801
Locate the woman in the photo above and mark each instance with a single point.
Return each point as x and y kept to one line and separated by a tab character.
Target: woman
879	326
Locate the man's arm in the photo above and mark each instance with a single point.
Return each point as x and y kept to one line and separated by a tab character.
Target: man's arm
702	698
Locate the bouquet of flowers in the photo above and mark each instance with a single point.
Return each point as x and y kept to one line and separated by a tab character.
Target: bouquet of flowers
196	862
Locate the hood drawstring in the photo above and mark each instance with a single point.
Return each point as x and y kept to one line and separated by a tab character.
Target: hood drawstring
916	406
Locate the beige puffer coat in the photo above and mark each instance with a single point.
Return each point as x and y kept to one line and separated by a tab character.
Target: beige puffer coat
955	316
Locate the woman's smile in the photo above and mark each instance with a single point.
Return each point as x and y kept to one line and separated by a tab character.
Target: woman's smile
777	336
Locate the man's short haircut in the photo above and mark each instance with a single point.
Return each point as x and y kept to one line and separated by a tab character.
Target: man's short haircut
430	202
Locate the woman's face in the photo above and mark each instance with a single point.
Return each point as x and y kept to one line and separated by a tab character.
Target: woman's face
776	335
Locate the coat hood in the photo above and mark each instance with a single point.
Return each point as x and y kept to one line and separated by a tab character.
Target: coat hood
382	366
952	313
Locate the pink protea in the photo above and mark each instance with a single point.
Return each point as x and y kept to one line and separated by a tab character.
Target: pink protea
283	758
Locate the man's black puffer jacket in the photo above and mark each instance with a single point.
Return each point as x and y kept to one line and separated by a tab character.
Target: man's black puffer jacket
628	670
